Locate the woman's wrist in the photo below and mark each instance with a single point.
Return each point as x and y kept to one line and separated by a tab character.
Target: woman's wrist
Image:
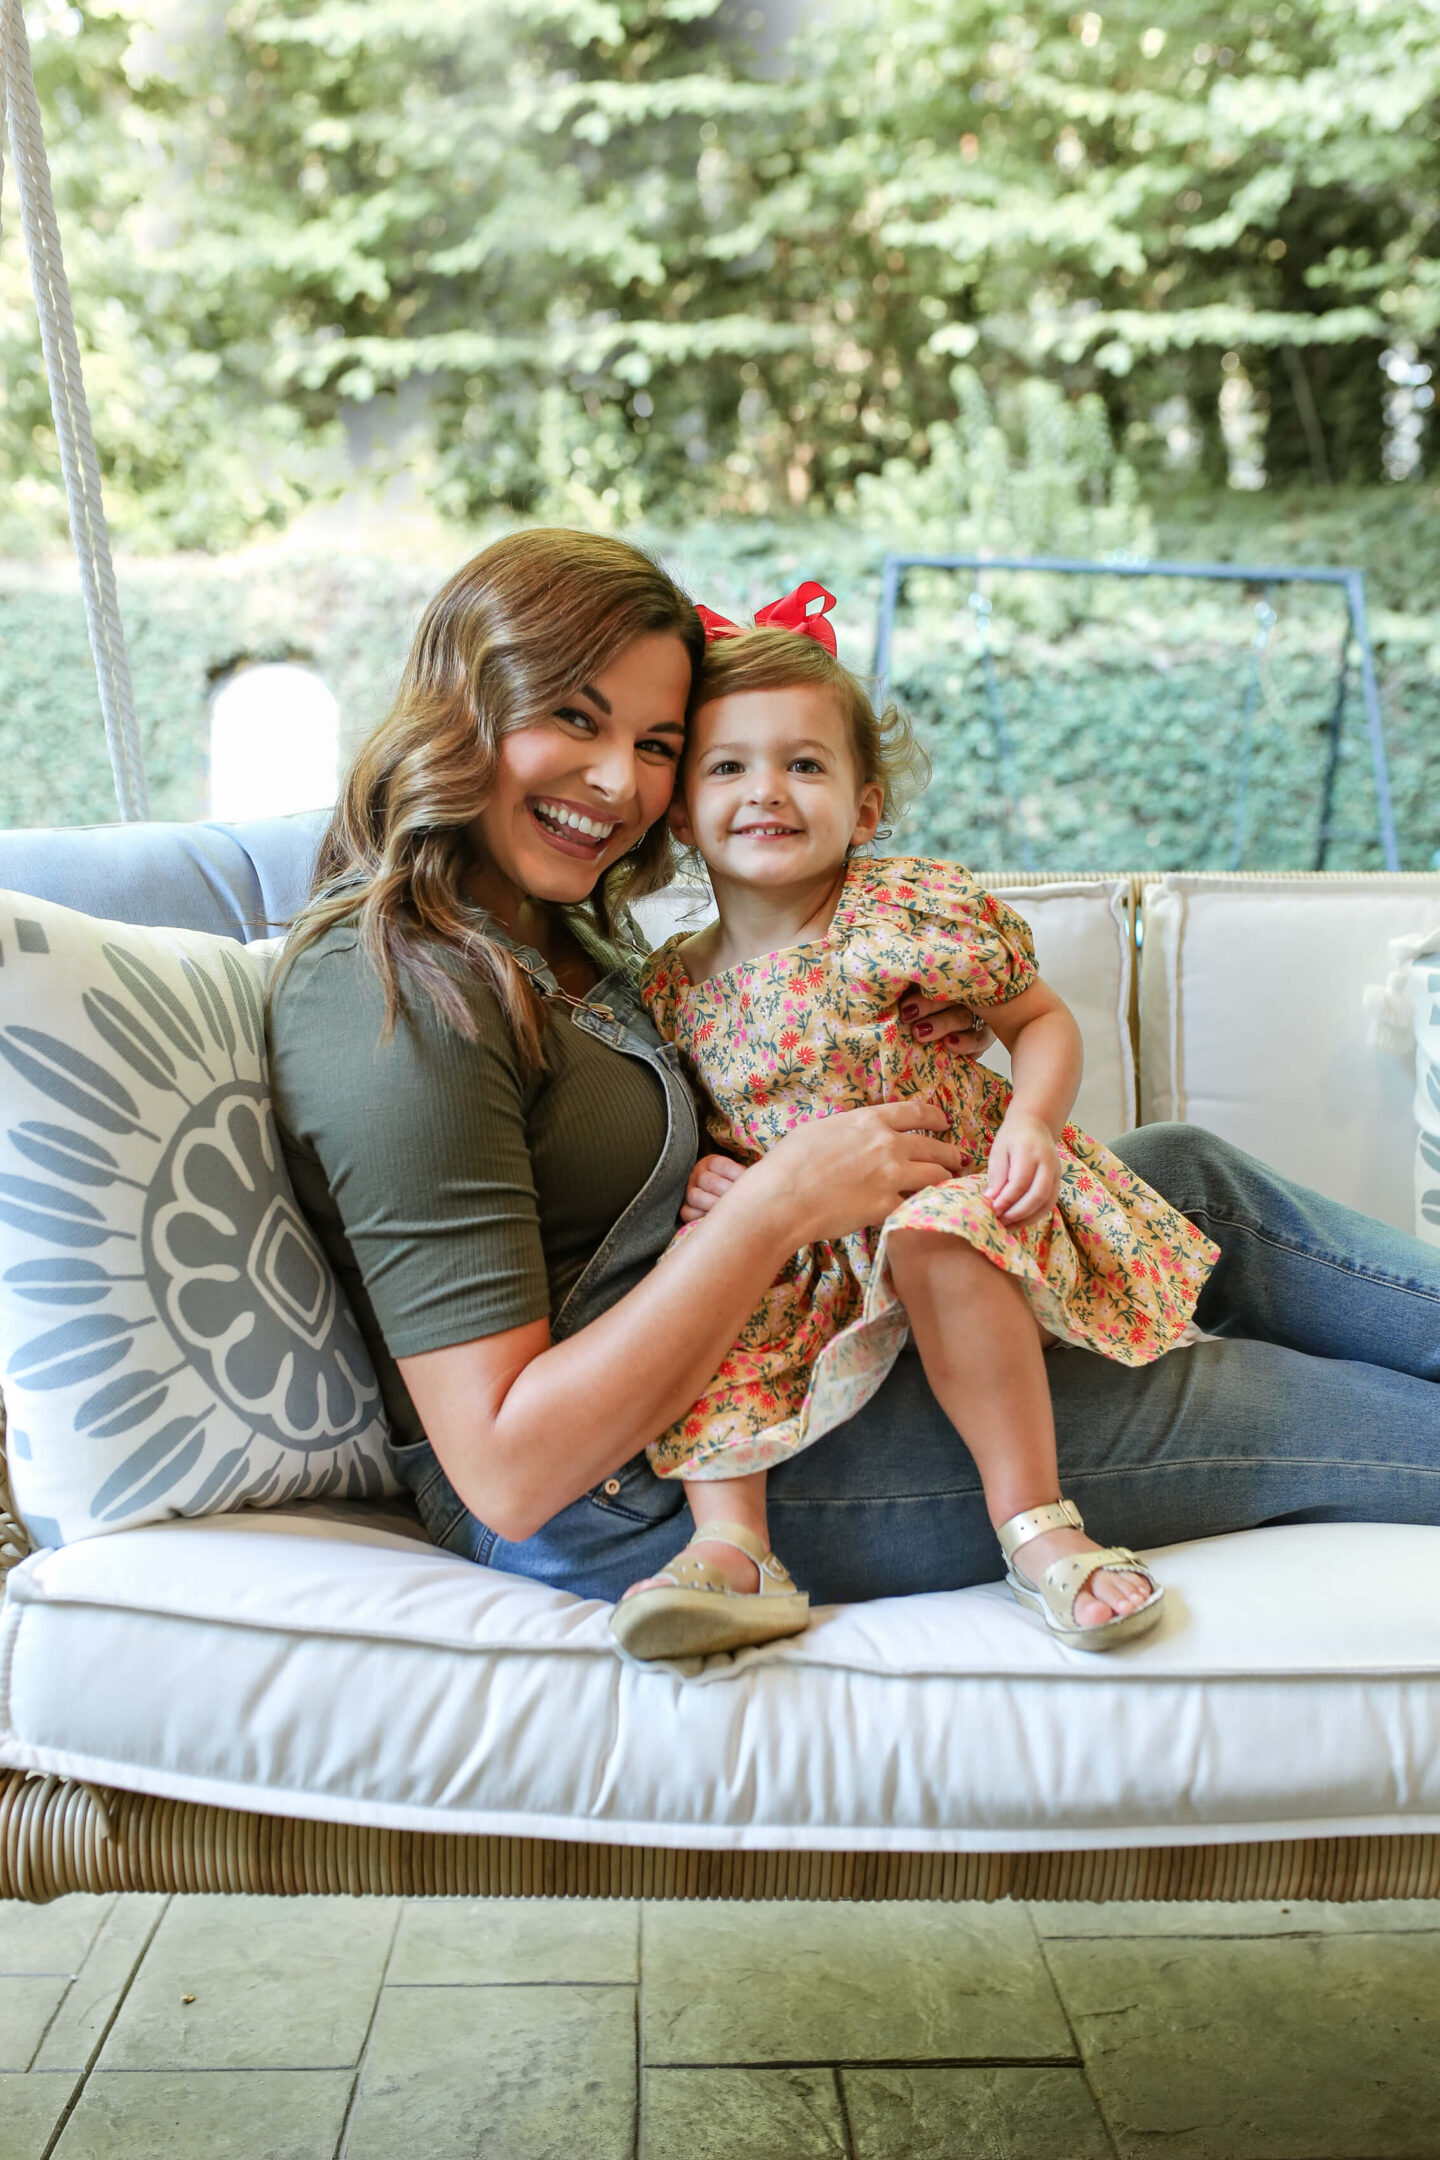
765	1207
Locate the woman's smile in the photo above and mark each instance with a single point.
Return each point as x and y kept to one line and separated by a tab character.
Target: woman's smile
573	829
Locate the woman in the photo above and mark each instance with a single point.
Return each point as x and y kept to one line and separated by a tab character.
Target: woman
494	1148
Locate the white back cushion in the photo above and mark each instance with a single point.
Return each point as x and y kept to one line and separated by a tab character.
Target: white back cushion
1084	944
1084	947
1404	1017
1252	1022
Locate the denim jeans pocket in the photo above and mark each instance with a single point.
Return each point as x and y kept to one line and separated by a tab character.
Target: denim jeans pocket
636	1493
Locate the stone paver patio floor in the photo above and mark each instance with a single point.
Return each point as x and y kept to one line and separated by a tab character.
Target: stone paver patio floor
147	2028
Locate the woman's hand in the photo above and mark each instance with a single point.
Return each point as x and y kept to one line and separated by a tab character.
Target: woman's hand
932	1021
899	1158
1024	1178
523	1425
929	1020
710	1180
849	1171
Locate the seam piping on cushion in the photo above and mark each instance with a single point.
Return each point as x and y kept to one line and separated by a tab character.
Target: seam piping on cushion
252	924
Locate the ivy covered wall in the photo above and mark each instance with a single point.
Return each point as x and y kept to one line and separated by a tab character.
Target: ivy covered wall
1124	703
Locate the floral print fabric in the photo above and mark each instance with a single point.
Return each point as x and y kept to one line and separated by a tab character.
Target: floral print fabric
813	1029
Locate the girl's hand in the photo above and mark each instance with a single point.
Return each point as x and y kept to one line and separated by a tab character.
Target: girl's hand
710	1180
1024	1178
932	1020
849	1171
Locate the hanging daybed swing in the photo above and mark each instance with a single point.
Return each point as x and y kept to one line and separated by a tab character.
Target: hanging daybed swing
78	462
883	1786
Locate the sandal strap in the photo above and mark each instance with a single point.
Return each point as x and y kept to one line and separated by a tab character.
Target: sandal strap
1034	1522
736	1534
688	1571
1065	1579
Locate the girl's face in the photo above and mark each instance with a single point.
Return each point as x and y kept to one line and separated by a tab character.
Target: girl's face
577	787
771	794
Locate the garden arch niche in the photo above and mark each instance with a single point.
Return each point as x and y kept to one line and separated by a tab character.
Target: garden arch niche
274	742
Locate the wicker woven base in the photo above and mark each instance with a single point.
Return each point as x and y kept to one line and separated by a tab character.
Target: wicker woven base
56	1836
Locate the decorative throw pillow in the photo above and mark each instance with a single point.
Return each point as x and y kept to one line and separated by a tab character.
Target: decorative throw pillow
1405	1019
174	1340
1425	1005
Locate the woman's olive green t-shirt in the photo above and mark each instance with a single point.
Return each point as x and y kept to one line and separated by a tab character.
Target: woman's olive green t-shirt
454	1195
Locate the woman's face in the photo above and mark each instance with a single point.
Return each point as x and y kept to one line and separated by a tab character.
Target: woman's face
575	788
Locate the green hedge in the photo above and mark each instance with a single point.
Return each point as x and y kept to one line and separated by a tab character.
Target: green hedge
188	623
1123	702
1133	764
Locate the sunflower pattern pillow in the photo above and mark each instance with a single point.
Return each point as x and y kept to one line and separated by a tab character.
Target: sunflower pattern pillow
173	1340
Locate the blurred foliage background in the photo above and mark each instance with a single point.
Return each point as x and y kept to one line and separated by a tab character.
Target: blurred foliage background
360	282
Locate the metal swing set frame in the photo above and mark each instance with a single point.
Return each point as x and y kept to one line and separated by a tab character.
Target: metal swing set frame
1262	579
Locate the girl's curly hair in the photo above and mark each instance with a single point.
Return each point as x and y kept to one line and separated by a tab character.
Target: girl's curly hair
884	744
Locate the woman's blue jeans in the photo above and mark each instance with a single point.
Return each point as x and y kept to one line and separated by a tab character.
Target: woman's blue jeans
1317	1404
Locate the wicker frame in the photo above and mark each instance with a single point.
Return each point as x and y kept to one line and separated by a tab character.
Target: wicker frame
59	1835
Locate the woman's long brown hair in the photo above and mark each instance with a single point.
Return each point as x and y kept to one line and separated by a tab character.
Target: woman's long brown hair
507	640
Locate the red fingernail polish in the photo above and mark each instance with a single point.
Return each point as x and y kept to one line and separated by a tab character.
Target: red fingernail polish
923	1028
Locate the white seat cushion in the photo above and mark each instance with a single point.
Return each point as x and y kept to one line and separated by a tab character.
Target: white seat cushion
328	1666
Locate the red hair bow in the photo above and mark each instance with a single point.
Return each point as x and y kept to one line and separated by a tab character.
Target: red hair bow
797	612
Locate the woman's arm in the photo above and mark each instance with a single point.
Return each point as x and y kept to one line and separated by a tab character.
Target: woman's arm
1047	1058
522	1426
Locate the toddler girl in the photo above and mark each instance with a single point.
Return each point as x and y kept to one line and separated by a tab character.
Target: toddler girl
786	1008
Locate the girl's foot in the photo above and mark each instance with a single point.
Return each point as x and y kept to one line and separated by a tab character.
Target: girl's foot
736	1569
697	1605
1108	1592
1086	1604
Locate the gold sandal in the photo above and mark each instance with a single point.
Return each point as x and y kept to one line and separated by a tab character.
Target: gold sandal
693	1611
1053	1597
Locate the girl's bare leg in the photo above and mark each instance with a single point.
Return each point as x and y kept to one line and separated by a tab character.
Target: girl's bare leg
725	1500
982	1351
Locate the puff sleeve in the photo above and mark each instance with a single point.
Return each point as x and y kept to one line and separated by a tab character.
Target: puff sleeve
662	980
932	924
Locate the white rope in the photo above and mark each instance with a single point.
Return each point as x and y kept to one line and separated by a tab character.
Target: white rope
72	415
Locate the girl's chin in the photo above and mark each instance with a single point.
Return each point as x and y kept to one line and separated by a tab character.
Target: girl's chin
780	861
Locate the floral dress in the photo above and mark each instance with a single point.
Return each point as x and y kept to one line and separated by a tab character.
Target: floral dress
813	1029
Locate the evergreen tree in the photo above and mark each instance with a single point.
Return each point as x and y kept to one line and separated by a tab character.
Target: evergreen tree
1117	199
612	266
